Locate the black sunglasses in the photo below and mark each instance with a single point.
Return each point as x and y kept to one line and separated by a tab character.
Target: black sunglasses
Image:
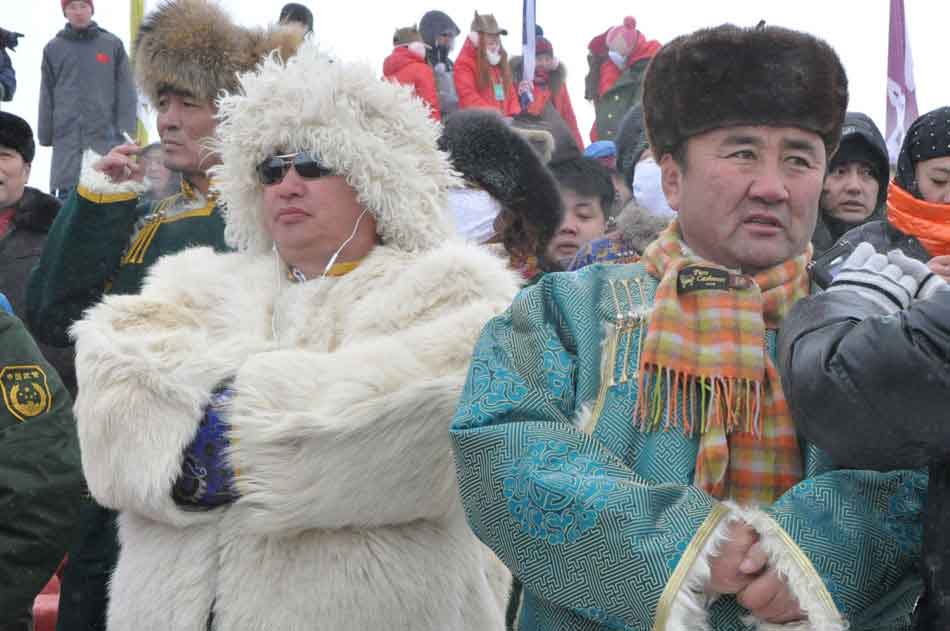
272	170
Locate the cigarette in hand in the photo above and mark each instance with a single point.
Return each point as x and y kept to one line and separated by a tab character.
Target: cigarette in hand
128	138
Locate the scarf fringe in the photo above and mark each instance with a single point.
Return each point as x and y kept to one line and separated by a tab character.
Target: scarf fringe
671	399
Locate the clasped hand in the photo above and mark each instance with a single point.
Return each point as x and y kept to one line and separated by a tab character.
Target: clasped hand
741	567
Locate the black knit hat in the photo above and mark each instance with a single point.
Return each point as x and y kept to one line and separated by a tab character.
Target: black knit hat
16	134
728	76
295	12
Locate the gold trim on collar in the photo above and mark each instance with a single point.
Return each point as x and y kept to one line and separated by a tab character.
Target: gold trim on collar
104	198
339	269
675	584
136	252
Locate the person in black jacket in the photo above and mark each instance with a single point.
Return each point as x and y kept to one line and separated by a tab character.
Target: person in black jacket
7	77
866	371
855	188
917	220
26	215
438	32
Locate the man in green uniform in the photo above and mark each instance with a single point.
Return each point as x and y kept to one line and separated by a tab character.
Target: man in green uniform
40	473
105	238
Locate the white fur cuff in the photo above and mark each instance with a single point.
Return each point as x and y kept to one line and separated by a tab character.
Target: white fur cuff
688	608
801	577
99	183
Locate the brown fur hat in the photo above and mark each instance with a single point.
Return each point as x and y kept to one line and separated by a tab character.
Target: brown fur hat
726	76
194	47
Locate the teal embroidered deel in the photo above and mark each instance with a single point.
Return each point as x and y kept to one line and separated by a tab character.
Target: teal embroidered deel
556	493
594	524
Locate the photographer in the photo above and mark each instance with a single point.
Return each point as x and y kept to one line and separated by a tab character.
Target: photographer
8	39
865	370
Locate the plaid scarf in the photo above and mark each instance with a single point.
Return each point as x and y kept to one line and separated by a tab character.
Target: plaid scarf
704	367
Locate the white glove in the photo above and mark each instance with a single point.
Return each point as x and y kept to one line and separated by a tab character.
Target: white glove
927	282
871	275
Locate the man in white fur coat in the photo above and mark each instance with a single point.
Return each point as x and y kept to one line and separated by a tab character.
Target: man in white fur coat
272	424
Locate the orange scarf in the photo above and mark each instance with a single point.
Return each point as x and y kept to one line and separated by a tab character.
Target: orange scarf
929	223
704	367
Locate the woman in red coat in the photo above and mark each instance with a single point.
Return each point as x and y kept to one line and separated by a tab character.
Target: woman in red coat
550	85
407	65
482	74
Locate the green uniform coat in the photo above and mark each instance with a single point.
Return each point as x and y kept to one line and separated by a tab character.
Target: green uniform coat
40	472
105	241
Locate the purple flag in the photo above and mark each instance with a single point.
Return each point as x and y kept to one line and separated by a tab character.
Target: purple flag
528	40
901	90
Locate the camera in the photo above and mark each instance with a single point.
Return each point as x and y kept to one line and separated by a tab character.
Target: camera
826	266
9	39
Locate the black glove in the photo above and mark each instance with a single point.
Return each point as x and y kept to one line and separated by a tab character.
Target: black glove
9	39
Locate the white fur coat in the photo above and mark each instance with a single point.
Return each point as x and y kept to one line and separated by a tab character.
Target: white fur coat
349	516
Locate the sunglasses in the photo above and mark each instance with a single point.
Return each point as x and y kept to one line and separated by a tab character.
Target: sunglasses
272	170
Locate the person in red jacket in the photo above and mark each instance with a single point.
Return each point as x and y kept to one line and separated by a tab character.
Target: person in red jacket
482	74
407	65
618	59
549	85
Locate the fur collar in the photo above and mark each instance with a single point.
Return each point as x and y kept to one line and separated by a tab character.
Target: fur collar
638	227
35	211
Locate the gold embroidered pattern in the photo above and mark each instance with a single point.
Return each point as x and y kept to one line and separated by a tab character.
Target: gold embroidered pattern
626	324
154	220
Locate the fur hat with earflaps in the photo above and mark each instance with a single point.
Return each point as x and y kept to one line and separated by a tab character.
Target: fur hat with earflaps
194	47
728	76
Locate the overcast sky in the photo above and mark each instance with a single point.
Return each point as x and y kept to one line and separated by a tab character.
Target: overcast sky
356	30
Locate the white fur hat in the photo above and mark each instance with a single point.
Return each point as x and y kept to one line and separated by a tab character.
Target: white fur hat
374	133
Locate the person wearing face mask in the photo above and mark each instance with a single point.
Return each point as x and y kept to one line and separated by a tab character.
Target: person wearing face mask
550	98
917	220
855	187
439	32
618	59
407	65
482	74
509	200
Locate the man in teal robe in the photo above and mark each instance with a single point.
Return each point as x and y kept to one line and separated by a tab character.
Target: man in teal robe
623	443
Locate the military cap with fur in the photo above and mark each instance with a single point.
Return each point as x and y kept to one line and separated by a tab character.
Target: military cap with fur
728	76
406	35
194	47
490	154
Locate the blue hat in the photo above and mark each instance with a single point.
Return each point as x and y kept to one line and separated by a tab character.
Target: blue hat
601	149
